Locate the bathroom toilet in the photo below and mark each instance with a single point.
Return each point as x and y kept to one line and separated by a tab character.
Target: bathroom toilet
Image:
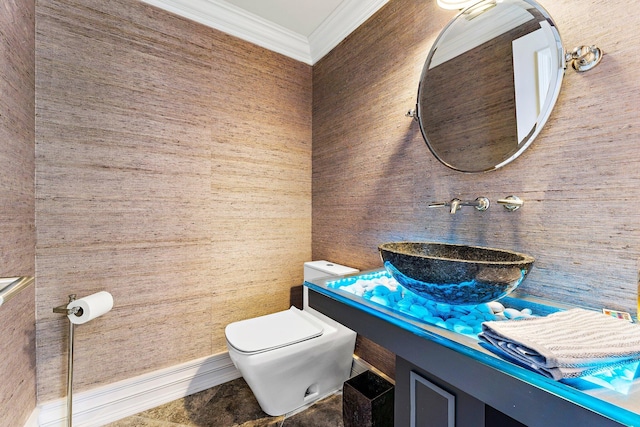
293	357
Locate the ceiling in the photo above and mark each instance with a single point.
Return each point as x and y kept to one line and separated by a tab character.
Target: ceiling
305	30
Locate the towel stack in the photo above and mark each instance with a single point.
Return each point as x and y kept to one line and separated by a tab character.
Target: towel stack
566	344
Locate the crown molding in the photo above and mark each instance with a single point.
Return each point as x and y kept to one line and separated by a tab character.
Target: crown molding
348	16
235	21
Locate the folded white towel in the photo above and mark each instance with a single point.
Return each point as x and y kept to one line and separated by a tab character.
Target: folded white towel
566	344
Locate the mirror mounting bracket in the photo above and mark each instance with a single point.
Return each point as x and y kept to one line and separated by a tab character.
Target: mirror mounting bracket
583	58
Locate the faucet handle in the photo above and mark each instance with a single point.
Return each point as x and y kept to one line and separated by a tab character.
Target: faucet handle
511	203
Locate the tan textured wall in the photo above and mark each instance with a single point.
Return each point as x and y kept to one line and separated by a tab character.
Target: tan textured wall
17	211
173	169
17	71
18	359
373	177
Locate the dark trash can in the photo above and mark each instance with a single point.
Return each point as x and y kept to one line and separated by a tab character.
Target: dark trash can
367	401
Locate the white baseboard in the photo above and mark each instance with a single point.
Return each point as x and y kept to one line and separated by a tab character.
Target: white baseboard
106	404
32	421
360	365
103	405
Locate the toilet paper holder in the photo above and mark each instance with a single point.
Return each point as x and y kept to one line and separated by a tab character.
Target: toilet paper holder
62	309
95	308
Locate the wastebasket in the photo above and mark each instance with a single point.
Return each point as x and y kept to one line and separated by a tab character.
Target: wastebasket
367	401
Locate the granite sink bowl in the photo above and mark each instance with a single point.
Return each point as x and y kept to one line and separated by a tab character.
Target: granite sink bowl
455	274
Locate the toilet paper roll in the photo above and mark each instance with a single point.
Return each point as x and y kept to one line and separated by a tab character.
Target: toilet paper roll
90	307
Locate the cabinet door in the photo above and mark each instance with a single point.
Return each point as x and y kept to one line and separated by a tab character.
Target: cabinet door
430	405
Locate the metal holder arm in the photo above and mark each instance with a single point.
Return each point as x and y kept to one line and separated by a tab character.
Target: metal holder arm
62	309
584	58
12	286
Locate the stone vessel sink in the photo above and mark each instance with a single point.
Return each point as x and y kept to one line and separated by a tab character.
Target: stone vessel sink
455	274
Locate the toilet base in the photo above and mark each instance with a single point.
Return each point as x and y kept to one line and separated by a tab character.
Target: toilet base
290	377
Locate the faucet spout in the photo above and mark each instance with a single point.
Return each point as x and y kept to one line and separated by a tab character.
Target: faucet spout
481	204
455	204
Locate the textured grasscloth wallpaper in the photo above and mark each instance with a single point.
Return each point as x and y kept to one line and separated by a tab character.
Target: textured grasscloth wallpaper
173	169
17	209
373	176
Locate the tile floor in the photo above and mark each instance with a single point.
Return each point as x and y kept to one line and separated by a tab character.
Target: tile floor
232	404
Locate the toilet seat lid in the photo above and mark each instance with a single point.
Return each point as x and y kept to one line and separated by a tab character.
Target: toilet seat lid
271	331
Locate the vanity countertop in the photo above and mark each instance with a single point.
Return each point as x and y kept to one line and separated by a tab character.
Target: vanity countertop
614	394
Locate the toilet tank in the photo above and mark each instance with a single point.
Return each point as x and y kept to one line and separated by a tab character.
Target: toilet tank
322	269
319	269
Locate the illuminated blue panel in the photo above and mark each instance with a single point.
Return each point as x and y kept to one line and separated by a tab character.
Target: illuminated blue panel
381	289
377	294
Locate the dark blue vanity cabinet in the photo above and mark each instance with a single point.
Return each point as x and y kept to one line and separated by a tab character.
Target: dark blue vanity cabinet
424	400
445	381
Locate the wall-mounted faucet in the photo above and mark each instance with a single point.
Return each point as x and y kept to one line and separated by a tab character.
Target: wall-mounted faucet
510	203
481	204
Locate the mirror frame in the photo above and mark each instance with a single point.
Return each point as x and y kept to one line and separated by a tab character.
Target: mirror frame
555	82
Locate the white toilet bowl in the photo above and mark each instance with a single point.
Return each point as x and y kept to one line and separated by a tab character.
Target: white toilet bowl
291	358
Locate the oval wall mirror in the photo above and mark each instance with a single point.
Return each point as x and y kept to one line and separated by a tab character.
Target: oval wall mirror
489	84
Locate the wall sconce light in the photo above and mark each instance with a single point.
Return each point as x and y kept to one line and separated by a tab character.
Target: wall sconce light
456	4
